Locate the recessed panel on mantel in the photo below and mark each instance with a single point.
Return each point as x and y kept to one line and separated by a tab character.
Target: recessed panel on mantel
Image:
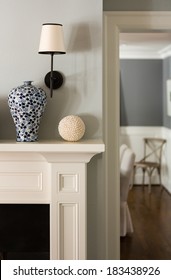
21	176
68	182
68	235
21	181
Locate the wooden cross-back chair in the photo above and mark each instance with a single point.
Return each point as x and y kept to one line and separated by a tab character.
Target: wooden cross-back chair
152	159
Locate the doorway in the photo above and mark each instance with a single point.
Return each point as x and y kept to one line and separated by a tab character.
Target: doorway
114	24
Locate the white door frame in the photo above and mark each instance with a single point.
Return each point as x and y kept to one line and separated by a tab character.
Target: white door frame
114	24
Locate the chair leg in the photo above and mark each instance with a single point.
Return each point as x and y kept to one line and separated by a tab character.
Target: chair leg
143	179
159	173
150	172
149	185
133	176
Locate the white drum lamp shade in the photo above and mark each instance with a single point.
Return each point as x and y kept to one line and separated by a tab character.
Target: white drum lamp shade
52	39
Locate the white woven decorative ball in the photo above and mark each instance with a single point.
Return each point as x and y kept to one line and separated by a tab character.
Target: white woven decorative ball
71	128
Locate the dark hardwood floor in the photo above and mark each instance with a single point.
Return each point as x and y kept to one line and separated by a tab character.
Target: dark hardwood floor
151	217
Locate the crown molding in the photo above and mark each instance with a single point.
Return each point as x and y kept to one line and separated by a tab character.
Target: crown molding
141	20
144	54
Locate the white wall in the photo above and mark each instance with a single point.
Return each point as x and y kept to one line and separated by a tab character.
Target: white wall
20	27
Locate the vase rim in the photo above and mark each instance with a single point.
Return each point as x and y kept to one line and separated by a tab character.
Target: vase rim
27	83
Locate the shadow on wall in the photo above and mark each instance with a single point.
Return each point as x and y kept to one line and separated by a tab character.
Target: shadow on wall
92	125
80	38
64	101
80	48
7	126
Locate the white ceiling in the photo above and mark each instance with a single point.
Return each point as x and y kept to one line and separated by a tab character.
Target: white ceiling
145	45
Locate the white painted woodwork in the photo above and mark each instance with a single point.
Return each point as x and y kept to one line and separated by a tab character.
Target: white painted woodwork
52	172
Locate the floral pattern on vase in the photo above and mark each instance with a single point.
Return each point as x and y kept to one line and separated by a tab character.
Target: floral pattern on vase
27	104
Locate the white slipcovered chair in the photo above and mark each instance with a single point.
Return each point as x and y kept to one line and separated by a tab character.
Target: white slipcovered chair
126	172
123	147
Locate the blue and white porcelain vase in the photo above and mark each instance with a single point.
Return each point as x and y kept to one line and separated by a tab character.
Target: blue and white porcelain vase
27	104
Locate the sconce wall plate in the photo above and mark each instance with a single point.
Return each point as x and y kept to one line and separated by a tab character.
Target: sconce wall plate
57	79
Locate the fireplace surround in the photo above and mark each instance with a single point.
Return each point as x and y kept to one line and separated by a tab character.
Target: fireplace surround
54	173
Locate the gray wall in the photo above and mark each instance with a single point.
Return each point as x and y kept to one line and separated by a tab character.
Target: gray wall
20	27
135	5
141	93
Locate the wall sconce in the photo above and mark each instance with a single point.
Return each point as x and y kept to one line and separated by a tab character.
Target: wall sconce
52	42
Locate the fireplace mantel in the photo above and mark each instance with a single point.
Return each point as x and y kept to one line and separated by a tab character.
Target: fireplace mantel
52	172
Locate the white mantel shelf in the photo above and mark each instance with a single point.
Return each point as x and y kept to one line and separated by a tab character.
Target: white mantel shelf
52	172
94	145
